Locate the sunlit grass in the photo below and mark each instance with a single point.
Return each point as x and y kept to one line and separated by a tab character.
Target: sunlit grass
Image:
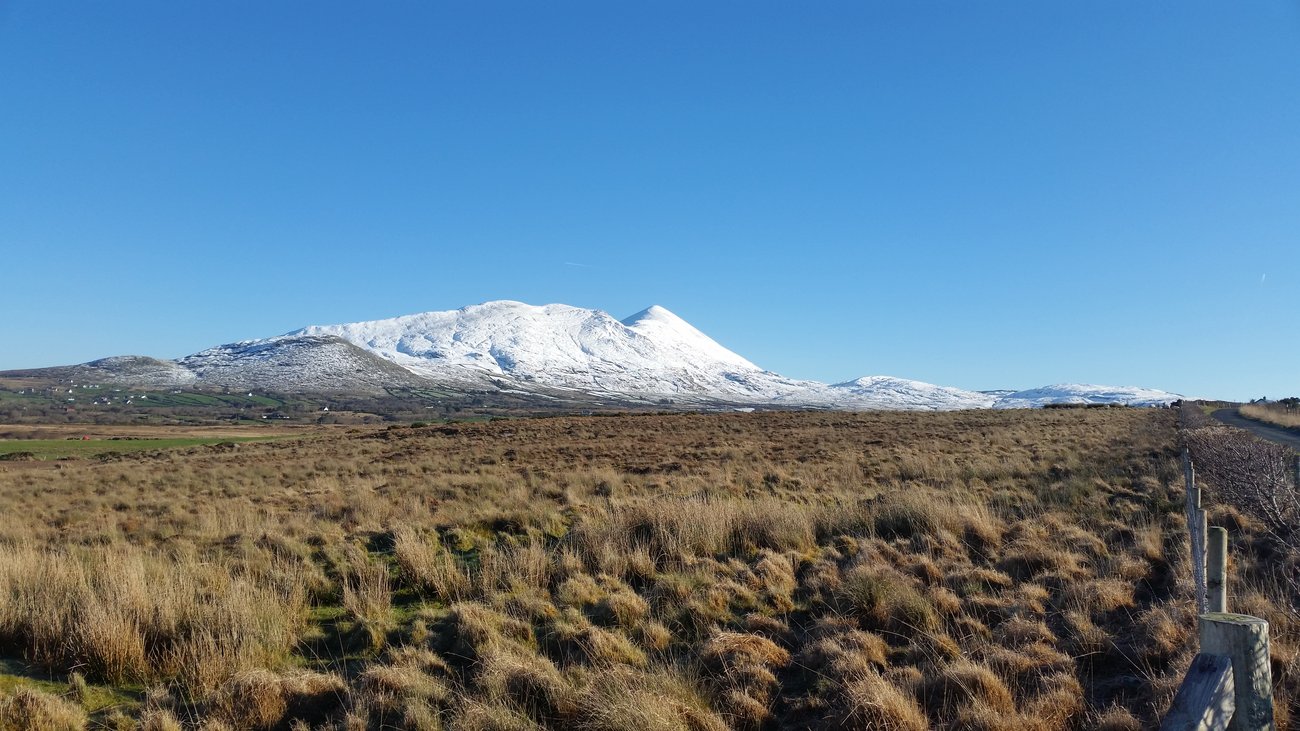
982	570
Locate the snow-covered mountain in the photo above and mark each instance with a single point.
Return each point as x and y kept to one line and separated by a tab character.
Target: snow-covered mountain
550	352
651	354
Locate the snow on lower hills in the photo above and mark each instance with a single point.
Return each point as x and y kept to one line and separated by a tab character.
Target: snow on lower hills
137	370
900	393
295	363
1081	393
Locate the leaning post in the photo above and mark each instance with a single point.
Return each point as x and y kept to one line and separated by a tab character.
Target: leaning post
1244	640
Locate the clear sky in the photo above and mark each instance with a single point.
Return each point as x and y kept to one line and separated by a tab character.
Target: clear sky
977	194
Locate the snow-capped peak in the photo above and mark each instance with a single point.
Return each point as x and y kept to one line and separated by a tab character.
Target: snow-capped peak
559	346
658	323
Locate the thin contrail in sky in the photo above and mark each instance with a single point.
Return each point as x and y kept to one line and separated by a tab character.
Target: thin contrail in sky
576	264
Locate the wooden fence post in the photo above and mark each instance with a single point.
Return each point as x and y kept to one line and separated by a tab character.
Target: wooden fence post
1244	640
1216	569
1195	529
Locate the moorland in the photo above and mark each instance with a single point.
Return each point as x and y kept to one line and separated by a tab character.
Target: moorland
1022	569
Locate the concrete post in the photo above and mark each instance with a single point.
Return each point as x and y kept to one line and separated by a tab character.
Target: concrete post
1195	530
1244	640
1216	566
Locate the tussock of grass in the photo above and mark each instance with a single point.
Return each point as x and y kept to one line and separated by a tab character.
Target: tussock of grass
27	709
368	598
426	565
742	669
835	646
480	716
252	699
664	701
260	699
867	700
161	719
886	600
527	681
402	695
1117	719
964	685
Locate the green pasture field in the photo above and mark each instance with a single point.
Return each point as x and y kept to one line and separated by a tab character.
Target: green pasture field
46	449
86	396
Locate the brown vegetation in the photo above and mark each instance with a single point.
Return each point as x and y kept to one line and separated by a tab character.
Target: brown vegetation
897	571
1253	484
1285	414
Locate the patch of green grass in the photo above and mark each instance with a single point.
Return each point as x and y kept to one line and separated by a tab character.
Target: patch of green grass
15	675
44	449
15	396
423	394
161	399
101	397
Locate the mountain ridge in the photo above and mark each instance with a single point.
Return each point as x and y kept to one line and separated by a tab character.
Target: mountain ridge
553	351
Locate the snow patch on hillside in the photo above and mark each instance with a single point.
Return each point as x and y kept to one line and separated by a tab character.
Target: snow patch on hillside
295	363
137	370
1082	393
901	393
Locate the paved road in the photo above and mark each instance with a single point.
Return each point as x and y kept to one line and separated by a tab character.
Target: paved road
1264	431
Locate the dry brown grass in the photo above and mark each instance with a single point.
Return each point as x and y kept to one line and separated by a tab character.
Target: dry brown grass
691	571
1117	719
129	614
161	719
260	699
428	566
867	700
886	601
368	598
402	695
664	701
1272	414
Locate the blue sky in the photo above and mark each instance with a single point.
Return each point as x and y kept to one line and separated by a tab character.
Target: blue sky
983	195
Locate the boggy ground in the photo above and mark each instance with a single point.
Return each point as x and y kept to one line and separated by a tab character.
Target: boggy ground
973	570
